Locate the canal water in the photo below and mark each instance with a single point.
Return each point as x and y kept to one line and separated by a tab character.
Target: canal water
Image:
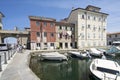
73	69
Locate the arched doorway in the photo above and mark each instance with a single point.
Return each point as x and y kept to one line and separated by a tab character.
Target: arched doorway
12	41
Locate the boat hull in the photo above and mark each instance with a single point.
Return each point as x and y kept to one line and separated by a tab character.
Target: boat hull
93	77
80	56
96	55
53	58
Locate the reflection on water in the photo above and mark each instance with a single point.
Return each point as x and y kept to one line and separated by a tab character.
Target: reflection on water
73	69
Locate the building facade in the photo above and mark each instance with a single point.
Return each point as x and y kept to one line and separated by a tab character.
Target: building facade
90	26
46	33
84	28
42	32
65	35
111	37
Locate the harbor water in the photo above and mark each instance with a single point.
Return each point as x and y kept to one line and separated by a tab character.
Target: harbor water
73	69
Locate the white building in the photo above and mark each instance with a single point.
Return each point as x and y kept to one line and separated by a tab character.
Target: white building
90	26
111	37
1	16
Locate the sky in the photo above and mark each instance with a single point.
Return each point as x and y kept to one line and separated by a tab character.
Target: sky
17	11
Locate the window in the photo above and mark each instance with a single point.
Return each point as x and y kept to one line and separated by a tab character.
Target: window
104	29
82	36
71	28
104	19
45	24
99	19
83	17
83	26
60	35
66	28
38	44
45	44
94	28
115	35
52	35
71	44
99	28
60	45
51	24
37	23
109	36
89	26
60	27
45	34
51	44
66	45
38	34
88	17
94	18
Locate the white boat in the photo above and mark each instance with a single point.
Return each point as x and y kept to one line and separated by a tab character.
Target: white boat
101	50
80	54
52	56
105	69
113	51
95	52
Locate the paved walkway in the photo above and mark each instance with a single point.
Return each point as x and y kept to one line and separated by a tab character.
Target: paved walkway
18	68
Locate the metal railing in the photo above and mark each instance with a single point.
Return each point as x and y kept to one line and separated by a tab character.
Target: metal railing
5	56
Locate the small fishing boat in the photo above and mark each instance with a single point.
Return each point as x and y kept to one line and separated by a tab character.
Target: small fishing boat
81	55
95	52
102	69
53	56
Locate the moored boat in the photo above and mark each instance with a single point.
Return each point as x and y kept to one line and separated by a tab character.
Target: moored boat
105	69
82	55
53	56
113	51
95	52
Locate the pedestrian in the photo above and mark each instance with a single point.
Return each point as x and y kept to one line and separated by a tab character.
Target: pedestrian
21	48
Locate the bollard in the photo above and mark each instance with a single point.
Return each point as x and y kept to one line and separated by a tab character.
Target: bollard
5	58
0	64
8	55
11	52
